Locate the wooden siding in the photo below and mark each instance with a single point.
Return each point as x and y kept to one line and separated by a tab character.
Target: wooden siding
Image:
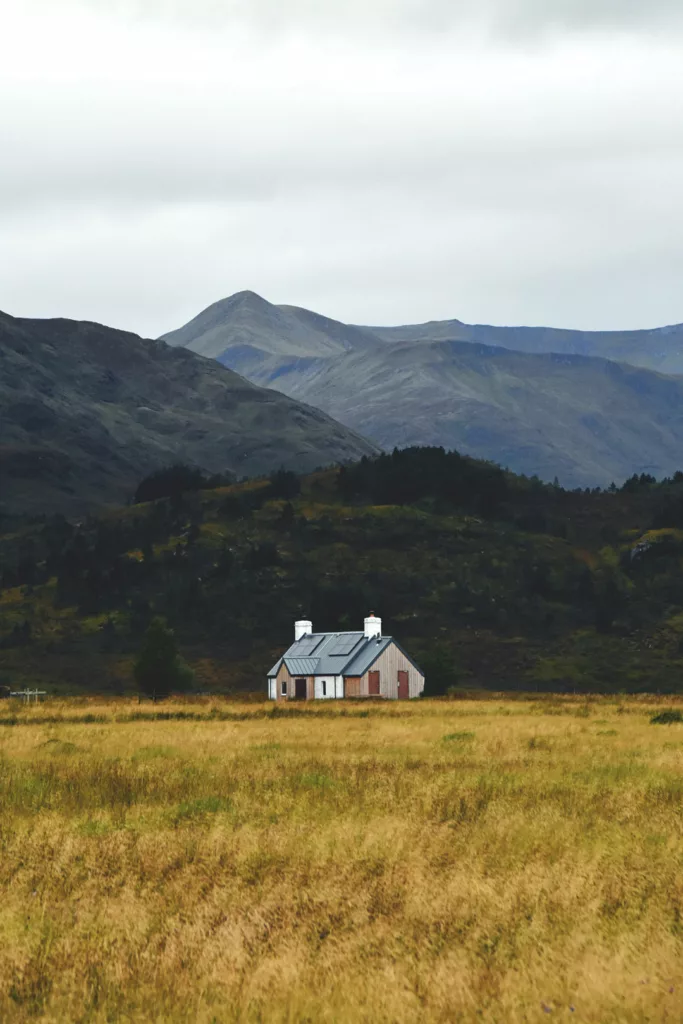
389	663
284	676
352	686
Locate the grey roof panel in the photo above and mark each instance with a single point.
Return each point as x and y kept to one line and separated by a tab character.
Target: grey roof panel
329	661
335	664
361	654
369	652
302	666
306	645
276	667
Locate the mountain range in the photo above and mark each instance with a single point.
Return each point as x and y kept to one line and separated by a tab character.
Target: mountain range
86	411
247	386
659	349
587	407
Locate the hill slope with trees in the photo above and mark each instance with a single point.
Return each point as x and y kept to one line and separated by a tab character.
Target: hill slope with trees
489	579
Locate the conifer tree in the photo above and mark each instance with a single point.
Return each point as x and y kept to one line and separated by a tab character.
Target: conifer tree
159	669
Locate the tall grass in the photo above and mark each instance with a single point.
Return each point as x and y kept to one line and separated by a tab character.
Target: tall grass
434	862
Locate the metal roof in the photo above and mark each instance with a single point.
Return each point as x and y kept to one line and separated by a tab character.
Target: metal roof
364	657
362	653
359	653
302	666
276	667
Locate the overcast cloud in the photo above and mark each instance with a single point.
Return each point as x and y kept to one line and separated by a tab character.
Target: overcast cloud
509	161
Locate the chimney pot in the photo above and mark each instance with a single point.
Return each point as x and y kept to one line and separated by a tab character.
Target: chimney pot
303	627
373	626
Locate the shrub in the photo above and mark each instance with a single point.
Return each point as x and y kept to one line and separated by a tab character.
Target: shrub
175	480
668	717
284	484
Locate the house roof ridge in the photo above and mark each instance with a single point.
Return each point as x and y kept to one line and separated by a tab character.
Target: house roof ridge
344	632
335	632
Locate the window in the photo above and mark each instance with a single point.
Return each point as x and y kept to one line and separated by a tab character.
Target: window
324	686
284	688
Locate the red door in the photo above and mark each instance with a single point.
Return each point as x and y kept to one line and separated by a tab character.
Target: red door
373	684
403	689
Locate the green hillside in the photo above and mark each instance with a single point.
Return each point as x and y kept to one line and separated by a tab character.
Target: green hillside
489	580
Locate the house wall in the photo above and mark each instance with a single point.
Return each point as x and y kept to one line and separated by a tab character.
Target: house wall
352	686
283	674
389	664
334	687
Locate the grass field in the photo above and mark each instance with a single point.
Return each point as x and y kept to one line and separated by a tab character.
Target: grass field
440	861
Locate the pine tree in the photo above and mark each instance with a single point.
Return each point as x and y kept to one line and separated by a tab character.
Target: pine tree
159	669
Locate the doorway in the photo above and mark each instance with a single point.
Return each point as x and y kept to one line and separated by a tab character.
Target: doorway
300	689
403	687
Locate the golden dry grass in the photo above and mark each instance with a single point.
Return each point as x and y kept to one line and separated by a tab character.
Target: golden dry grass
444	861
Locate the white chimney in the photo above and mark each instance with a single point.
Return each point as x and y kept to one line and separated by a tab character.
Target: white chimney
304	627
373	626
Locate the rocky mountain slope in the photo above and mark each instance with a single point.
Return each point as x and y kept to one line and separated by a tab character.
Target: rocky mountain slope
86	411
580	417
660	349
246	322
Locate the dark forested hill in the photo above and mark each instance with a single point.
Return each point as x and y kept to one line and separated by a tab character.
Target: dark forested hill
490	580
86	411
585	419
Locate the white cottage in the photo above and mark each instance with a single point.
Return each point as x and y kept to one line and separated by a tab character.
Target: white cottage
336	665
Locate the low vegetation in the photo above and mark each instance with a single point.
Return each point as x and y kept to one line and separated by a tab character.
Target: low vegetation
443	861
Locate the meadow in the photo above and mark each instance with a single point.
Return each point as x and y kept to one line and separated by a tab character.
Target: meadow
216	861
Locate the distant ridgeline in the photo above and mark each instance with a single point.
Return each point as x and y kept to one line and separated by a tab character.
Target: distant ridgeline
586	407
492	580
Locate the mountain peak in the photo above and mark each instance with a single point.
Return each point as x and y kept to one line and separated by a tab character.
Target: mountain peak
246	296
246	300
246	322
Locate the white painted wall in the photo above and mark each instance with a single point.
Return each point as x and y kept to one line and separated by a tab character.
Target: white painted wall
330	687
272	689
339	687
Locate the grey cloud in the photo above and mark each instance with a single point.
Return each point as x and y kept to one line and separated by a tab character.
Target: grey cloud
499	17
234	138
406	178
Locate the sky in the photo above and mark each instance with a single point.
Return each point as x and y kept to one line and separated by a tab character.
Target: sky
379	161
